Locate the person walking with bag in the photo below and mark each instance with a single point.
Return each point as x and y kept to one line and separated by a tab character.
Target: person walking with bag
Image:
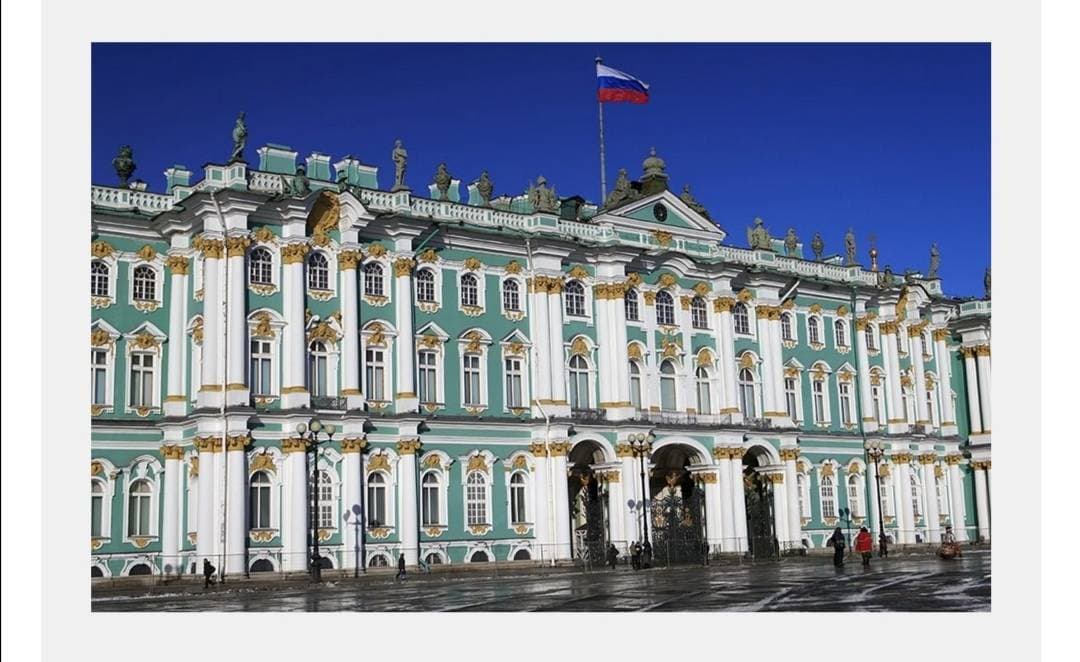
838	544
208	573
864	545
400	568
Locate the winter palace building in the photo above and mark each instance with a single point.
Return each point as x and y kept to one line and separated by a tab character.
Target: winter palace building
505	376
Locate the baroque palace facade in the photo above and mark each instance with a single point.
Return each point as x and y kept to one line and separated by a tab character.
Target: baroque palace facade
506	377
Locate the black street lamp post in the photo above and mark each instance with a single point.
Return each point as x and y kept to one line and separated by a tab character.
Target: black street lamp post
641	444
312	429
357	522
875	449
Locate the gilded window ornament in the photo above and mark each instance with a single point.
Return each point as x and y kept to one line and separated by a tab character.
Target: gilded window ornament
146	340
428	256
746	360
662	237
474	339
520	463
515	349
704	357
791	371
512	267
723	304
845	375
827	470
379	462
262	462
197	331
430	341
262	326
815	308
264	235
473	264
650	297
349	259
578	272
294	253
744	295
324	332
579	347
432	461
100	338
477	463
633	351
633	279
376	250
701	288
353	445
377	335
684	302
842	311
101	249
667	280
147	253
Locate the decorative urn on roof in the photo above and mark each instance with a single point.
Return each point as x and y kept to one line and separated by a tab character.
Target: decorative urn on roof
654	179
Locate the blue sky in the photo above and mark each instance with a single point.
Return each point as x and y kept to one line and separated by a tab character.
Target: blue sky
889	139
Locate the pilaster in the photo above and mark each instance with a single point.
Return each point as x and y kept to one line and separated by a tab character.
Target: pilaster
176	400
348	260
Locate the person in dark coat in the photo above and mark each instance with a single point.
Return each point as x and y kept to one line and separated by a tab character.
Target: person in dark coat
208	573
400	567
838	544
635	555
612	555
883	545
646	555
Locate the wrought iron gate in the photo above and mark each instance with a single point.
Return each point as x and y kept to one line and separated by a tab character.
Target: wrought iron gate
677	526
759	518
590	538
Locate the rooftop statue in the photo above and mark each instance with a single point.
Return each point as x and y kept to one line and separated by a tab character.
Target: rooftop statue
442	181
818	246
758	237
622	192
691	202
400	158
299	186
239	139
543	198
849	247
484	187
653	164
791	243
986	282
886	278
935	261
124	164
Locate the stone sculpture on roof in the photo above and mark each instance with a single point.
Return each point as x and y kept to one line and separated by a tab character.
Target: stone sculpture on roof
239	138
442	181
401	158
124	164
758	237
484	186
543	198
791	243
817	245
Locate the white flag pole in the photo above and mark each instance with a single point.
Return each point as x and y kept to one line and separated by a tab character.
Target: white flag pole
603	172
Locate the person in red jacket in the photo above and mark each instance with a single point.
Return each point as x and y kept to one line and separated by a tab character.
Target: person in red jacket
864	545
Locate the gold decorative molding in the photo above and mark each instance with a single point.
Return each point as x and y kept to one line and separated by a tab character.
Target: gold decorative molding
262	535
147	253
324	332
827	470
927	458
888	327
376	335
475	338
238	442
701	288
237	246
433	531
172	452
408	446
429	256
146	340
861	323
193	466
815	308
667	280
211	249
708	477
430	341
941	334
403	266
633	351
537	449
294	253
791	371
723	304
479	529
295	445
705	357
325	534
264	235
379	532
684	302
262	326
982	350
578	271
650	297
100	338
579	347
101	249
263	461
140	541
902	458
379	461
789	454
514	349
349	260
472	264
96	468
662	237
953	458
512	267
982	465
353	445
746	360
477	463
178	265
842	311
519	463
775	478
376	250
559	448
97	410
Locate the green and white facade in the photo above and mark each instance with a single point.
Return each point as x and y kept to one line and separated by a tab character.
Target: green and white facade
485	366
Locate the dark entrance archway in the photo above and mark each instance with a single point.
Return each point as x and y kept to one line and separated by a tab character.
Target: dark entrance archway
588	503
677	507
760	529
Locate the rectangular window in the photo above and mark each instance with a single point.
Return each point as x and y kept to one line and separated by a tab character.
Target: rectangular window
845	403
96	506
428	377
98	375
789	394
375	372
513	383
261	362
819	401
142	380
472	379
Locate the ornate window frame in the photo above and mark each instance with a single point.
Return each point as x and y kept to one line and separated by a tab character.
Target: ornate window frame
749	361
385	276
435	304
474	342
264	289
820	373
855	475
518	465
710	381
512	315
478	463
673	377
841	327
149	469
698	305
103	472
737	310
791	317
110	263
516	347
481	292
873	340
829	469
794	370
329	461
320	294
632	293
266	460
157	266
103	337
378	335
657	306
819	324
581	346
385	465
146	339
435	463
586	301
845	374
266	325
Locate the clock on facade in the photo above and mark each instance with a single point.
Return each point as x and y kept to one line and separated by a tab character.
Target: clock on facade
659	212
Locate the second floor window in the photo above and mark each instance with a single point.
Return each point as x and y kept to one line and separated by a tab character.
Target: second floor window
375	373
428	377
318	272
99	279
472	379
665	309
261	267
142	380
261	362
575	299
741	317
870	342
99	360
511	296
470	291
373	280
513	382
814	328
144	284
845	403
819	400
699	315
630	303
840	330
786	331
425	286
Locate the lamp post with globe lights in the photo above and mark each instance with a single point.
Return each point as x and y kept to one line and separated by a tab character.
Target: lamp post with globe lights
310	431
875	450
641	444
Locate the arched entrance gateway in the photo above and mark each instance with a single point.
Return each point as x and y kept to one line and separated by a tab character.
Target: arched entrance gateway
677	516
588	502
759	471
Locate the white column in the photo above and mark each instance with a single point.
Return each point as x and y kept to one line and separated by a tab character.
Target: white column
685	379
727	509
776	371
714	508
906	525
607	371
780	518
236	518
350	325
561	499
725	347
922	415
175	398
631	477
929	481
405	398
170	516
556	354
870	424
944	367
541	347
957	510
295	538
410	532
972	388
792	491
738	498
622	360
237	392
982	498
351	449
213	382
768	388
205	545
294	392
616	505
982	359
542	506
897	417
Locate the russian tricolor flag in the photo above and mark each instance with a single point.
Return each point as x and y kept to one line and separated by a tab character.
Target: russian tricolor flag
614	85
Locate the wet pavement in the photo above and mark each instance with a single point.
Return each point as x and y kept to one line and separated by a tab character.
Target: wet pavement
923	583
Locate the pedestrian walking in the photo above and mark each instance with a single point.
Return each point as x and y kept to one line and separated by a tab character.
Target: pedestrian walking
612	555
646	555
838	544
635	555
208	573
883	545
400	568
864	545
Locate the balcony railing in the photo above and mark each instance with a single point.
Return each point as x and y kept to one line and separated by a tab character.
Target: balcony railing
328	402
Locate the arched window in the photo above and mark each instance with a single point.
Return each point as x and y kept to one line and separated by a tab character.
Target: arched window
375	374
262	361
575	299
925	343
741	316
704	392
886	497
471	374
819	400
514	381
787	331
840	330
318	272
259	501
931	416
907	402
747	402
854	492
425	286
699	315
667	386
828	497
479	557
901	348
376	500
428	382
318	365
430	490
99	279
579	383
144	284
511	296
635	385
97	508
804	495
379	561
373	279
522	555
139	508
665	308
470	291
432	559
814	330
261	267
325	512
517	499
476	499
140	569
870	342
630	302
262	565
95	571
